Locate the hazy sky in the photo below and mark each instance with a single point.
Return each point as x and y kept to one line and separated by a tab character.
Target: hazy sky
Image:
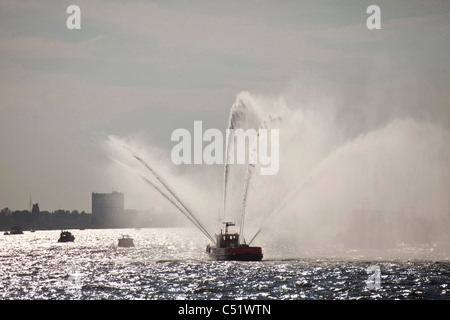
145	68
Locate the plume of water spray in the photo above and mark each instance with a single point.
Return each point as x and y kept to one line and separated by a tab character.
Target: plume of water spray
181	208
175	200
177	204
251	168
225	170
402	163
301	185
294	192
243	115
399	151
248	177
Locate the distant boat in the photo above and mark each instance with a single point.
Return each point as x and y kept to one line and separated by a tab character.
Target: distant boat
16	230
66	236
126	241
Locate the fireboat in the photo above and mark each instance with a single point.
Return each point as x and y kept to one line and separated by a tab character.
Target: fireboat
228	247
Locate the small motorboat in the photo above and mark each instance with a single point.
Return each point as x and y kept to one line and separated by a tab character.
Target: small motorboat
16	230
126	242
66	236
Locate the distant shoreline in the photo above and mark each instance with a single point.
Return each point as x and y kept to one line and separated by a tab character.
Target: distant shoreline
63	219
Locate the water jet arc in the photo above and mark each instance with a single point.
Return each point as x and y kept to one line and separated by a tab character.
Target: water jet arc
180	206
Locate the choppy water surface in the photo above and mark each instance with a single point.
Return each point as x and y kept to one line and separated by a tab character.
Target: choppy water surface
171	264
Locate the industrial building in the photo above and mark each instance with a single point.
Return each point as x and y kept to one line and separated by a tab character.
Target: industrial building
107	209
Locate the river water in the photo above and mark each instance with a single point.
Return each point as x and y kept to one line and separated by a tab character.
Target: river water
171	263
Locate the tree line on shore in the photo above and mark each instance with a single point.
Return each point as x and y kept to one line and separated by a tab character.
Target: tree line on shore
65	219
44	220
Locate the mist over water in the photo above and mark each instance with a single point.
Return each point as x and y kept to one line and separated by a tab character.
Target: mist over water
380	192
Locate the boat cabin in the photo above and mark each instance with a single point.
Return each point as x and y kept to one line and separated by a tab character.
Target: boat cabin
225	240
126	241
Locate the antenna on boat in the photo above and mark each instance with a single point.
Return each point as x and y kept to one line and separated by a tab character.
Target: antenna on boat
228	224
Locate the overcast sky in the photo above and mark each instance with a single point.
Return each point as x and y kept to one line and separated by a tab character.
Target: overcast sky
145	68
